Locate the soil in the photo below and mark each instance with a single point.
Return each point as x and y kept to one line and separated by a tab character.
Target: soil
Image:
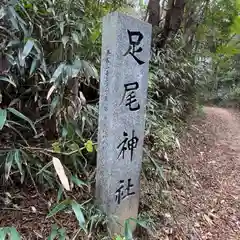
199	197
204	200
213	198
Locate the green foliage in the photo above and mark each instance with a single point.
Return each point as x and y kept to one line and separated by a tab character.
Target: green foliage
57	232
119	238
52	55
219	18
174	80
222	49
10	232
90	218
3	117
77	209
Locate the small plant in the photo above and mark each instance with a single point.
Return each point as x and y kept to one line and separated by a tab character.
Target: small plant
57	232
76	208
9	233
119	238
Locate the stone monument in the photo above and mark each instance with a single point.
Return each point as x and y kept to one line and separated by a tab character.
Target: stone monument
123	94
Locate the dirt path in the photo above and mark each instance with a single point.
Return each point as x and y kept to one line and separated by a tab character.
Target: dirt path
211	202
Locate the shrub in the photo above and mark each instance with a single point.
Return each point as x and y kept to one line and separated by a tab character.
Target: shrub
50	53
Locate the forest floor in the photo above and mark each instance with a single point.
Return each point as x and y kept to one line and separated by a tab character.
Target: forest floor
204	200
198	200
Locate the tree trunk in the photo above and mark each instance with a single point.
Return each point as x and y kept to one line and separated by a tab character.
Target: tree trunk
153	10
195	13
173	20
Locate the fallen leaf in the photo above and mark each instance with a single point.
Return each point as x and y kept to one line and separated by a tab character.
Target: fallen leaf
61	173
38	234
196	224
33	209
178	143
212	215
207	218
167	215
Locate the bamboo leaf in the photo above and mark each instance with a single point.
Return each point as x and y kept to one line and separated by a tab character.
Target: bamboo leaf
3	233
95	35
65	40
44	65
59	194
13	43
2	12
61	173
53	235
16	15
27	49
6	79
75	38
57	73
139	222
38	48
17	160
42	77
54	104
3	117
14	234
44	168
78	182
76	68
89	69
33	66
127	230
59	207
62	27
8	164
78	213
14	23
14	129
54	232
51	90
20	115
62	234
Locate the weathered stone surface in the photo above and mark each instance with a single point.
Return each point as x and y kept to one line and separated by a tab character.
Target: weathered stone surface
122	116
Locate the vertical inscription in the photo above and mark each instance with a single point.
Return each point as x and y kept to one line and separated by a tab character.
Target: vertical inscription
123	93
130	143
106	80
